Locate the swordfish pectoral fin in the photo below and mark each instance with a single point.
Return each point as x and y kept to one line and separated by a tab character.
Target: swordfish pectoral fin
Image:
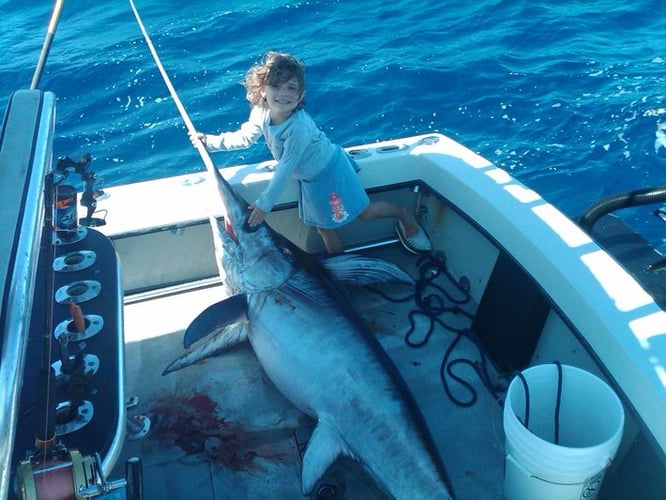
358	270
220	341
224	324
324	447
215	318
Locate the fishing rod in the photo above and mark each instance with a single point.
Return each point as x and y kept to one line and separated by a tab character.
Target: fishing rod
51	470
203	152
46	46
205	156
45	433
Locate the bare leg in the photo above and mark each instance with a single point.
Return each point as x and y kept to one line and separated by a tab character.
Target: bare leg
381	209
331	239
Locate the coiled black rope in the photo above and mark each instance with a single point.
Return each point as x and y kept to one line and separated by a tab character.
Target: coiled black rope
432	301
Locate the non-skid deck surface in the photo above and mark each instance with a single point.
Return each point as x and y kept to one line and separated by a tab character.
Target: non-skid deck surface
221	430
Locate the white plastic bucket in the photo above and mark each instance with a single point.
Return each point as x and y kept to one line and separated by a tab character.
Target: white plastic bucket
591	421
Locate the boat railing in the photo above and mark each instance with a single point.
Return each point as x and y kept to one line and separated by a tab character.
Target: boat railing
25	158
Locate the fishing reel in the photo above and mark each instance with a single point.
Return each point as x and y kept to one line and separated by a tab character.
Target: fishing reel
58	473
62	474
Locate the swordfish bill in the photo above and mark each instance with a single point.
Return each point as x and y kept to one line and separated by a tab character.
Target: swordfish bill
334	369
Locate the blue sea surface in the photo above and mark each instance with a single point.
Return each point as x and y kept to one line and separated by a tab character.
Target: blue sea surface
568	96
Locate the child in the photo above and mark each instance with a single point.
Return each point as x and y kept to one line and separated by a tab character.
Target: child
330	192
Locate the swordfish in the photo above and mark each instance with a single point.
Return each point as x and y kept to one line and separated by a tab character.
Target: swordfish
317	351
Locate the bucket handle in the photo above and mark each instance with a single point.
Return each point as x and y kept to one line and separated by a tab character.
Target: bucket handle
558	402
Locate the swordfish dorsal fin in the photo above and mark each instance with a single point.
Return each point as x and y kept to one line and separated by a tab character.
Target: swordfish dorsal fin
357	270
225	325
324	447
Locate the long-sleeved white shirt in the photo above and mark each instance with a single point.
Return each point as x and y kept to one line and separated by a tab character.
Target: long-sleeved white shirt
300	148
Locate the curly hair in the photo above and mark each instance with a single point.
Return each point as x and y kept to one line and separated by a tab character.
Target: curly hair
276	68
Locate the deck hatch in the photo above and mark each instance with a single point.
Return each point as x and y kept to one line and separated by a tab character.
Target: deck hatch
511	315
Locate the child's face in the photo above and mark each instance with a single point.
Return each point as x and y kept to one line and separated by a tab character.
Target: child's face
283	98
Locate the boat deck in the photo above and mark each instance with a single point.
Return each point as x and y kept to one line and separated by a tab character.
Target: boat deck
221	430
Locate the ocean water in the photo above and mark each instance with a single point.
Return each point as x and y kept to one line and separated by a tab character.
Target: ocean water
569	96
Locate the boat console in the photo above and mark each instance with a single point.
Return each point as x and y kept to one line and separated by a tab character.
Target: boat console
61	373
